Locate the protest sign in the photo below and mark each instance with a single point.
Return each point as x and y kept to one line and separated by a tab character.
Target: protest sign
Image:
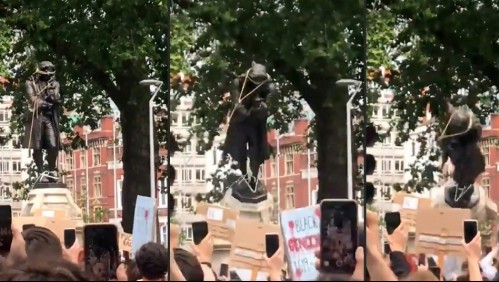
56	225
221	220
143	222
409	205
125	242
50	213
301	232
247	254
440	231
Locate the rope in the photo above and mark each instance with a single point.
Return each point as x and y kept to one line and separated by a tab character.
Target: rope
246	77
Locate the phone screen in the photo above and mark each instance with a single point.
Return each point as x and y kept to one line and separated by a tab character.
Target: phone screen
470	230
5	228
436	271
224	270
392	220
199	231
338	235
271	244
27	226
69	237
386	248
101	251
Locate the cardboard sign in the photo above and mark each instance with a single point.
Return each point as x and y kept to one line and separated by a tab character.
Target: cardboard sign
301	232
50	213
125	242
247	254
143	222
409	206
221	220
56	225
440	231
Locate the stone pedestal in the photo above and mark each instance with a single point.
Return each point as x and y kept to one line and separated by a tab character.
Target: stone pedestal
261	211
51	197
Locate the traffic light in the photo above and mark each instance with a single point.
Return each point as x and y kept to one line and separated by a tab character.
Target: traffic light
371	137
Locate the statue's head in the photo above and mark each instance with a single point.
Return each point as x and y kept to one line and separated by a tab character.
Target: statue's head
258	73
459	143
45	70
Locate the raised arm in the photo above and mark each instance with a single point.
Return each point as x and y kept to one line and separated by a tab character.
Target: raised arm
54	92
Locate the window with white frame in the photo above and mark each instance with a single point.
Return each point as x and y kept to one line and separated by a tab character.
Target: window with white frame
16	167
200	175
184	202
70	185
273	167
163	200
69	160
186	174
399	166
486	185
164	234
290	196
83	159
187	232
95	156
289	168
4	167
97	186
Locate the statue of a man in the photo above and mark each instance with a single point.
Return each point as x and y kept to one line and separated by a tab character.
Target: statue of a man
42	120
247	131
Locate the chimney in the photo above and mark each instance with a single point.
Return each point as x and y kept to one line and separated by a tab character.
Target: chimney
106	123
494	121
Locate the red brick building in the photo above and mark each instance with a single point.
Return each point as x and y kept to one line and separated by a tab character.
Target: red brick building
94	168
291	167
490	149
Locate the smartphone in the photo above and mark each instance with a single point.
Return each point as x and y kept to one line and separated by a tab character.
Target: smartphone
5	227
436	271
339	236
234	276
386	248
271	244
224	270
422	259
199	231
470	230
101	251
392	220
69	237
27	226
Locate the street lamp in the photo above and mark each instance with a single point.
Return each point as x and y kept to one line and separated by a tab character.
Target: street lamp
152	170
358	84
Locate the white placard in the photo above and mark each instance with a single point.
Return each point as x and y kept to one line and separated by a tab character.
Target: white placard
50	214
410	203
215	214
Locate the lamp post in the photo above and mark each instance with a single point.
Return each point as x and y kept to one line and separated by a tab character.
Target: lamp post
157	84
358	84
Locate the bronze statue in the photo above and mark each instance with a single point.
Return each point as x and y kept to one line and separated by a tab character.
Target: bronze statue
42	121
247	131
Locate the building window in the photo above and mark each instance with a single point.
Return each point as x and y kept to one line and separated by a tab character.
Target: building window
290	197
272	167
95	156
83	185
70	185
119	183
164	234
288	158
187	232
385	166
4	116
83	158
174	119
16	167
385	111
69	160
200	175
413	148
399	166
186	175
486	155
4	167
185	120
97	186
163	200
388	140
486	185
184	203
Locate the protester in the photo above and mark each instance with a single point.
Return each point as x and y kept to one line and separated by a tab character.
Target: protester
152	262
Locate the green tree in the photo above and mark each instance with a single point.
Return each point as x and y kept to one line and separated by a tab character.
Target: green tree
102	49
446	45
306	45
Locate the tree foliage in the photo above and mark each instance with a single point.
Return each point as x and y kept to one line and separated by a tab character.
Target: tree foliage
446	45
306	45
101	49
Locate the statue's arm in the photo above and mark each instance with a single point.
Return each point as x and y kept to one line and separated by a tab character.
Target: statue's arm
240	112
54	92
30	94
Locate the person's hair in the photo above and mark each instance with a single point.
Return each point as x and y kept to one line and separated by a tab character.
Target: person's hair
421	275
41	242
333	277
152	260
188	265
44	270
132	271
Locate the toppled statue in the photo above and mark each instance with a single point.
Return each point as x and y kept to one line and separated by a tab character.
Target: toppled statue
463	164
41	123
247	131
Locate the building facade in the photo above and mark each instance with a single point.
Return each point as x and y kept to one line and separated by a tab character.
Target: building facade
489	145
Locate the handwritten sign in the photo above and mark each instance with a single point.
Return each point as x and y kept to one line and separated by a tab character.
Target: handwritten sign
301	232
408	205
221	220
125	242
143	222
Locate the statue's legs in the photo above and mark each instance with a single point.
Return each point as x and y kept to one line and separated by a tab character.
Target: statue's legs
51	145
38	158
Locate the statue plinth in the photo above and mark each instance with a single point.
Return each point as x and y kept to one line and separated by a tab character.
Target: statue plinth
53	197
260	210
